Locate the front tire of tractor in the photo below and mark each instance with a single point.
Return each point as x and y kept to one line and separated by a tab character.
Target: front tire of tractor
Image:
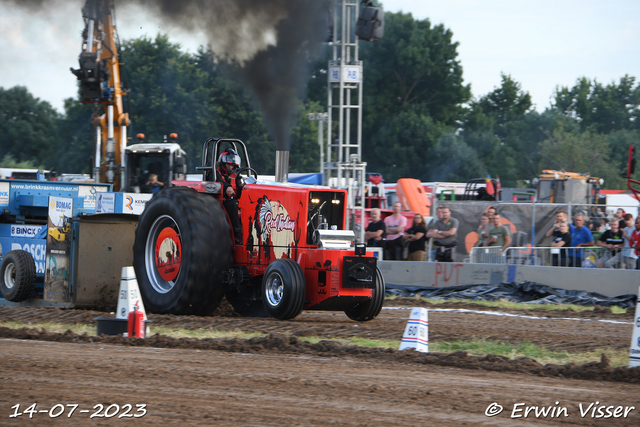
17	276
283	289
369	310
182	248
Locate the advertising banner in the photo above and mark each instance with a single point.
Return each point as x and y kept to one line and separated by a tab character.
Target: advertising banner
134	203
520	218
127	203
105	203
56	281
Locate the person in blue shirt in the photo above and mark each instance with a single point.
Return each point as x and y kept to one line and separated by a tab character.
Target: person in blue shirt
154	184
580	236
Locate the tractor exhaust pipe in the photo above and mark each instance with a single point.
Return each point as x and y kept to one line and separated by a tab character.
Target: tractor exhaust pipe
282	166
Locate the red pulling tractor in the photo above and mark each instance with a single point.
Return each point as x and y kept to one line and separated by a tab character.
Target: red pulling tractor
294	254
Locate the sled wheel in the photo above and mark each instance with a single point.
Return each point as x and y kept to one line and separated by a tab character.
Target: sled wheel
283	289
17	276
182	248
369	310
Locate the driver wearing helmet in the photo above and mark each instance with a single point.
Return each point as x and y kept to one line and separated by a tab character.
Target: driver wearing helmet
228	164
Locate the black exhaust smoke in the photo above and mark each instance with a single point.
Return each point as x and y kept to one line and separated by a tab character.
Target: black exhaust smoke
268	42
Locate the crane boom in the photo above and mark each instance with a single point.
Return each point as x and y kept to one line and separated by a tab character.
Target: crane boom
99	76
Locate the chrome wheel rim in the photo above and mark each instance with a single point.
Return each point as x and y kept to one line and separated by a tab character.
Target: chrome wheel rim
274	289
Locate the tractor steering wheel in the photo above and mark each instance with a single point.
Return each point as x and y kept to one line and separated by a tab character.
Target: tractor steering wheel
240	179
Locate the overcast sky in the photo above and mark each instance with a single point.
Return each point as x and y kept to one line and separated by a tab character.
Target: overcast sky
541	44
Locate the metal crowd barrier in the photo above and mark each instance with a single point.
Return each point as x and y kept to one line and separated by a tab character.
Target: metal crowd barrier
587	257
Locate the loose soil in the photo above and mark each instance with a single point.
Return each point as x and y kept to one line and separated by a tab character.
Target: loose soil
279	379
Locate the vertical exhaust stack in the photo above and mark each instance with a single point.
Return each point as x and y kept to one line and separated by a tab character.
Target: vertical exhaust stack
282	166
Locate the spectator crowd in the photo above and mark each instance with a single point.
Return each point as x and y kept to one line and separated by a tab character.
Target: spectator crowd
616	243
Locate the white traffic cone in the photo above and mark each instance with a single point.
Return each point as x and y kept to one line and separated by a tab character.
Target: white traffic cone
129	295
416	333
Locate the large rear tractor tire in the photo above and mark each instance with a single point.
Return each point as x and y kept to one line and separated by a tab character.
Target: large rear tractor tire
182	248
283	289
17	276
369	310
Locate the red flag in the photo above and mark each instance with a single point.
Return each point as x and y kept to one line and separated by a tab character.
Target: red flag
489	186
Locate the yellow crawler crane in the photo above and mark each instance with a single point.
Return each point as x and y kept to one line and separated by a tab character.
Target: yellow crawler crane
99	76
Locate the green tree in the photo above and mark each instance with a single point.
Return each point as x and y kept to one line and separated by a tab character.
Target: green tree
505	131
505	104
413	92
235	112
9	162
602	108
76	146
405	146
415	64
318	78
455	161
305	150
582	152
28	126
169	92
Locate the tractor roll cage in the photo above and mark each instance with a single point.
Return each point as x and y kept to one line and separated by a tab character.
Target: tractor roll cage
210	156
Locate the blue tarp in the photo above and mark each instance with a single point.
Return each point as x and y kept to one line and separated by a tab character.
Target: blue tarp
526	292
306	178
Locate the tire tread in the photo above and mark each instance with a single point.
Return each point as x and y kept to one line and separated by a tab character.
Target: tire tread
296	289
25	275
208	234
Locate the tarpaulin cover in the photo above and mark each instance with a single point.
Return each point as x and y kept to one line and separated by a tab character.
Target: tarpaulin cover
526	292
306	178
518	217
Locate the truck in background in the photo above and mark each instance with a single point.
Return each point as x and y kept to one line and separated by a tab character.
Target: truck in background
567	187
30	174
166	159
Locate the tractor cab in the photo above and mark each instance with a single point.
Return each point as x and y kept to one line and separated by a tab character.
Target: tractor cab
166	160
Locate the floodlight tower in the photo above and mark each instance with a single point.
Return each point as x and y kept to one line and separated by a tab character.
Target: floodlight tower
344	167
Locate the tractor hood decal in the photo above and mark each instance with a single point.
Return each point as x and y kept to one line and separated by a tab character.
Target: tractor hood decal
279	222
273	226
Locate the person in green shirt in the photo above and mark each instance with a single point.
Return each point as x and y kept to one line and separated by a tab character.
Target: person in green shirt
500	235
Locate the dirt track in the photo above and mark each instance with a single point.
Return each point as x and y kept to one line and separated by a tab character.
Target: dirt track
280	380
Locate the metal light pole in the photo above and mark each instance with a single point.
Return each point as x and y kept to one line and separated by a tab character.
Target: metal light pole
320	117
344	167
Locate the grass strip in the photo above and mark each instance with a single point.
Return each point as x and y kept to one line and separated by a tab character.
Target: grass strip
477	347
